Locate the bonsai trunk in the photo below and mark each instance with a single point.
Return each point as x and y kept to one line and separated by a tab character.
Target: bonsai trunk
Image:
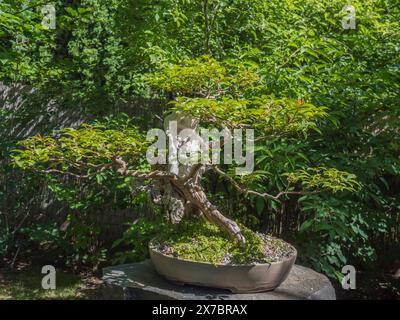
194	195
199	199
183	194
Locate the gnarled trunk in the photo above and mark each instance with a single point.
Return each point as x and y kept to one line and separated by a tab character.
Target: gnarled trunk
183	194
199	199
194	194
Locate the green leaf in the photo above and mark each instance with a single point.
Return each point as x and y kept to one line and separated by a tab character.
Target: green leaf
306	225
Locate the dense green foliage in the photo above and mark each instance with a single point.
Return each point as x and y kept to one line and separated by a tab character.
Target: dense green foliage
90	146
90	150
102	53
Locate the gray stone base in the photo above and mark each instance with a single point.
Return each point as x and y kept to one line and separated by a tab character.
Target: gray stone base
140	281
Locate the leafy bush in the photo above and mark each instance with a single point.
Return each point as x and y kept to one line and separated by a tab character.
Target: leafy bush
133	245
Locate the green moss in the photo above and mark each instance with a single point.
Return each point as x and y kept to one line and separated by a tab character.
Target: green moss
199	240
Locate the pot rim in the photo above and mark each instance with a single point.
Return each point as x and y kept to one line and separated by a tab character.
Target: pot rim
294	255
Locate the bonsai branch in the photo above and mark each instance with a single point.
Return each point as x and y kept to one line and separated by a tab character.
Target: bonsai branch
264	195
188	189
122	169
66	173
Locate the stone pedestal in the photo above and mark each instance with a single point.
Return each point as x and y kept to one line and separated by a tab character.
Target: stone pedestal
140	281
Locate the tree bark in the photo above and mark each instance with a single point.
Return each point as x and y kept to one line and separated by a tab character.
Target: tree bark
200	200
181	192
194	194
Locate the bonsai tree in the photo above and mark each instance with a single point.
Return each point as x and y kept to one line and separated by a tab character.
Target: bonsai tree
216	95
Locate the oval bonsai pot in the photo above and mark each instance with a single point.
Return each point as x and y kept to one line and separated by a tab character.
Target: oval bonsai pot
236	278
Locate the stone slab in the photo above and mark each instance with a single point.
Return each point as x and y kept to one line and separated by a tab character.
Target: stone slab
140	281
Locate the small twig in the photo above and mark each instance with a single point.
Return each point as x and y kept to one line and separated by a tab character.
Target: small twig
290	57
66	173
15	258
